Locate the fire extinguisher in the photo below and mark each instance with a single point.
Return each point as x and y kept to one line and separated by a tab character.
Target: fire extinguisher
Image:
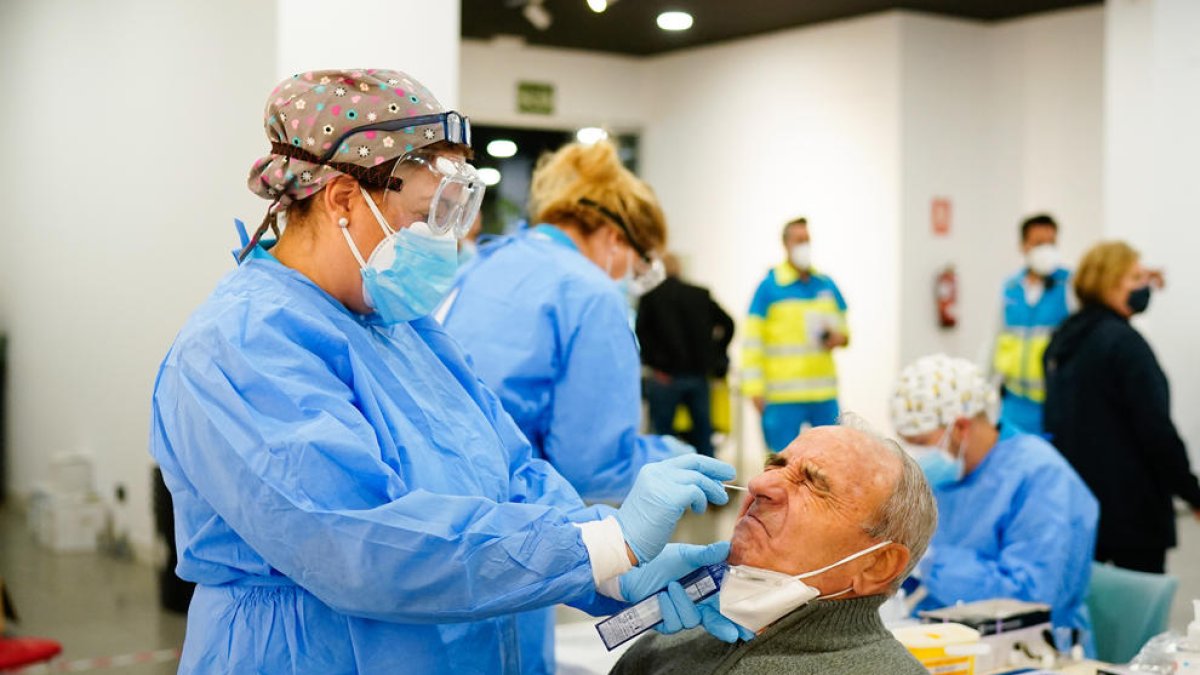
945	294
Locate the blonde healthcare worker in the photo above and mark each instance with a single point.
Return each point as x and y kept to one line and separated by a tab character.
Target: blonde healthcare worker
544	318
348	496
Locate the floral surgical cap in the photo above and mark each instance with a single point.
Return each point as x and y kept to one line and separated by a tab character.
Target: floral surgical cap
937	390
307	112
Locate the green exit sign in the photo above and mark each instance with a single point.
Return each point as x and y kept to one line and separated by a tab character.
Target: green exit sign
536	98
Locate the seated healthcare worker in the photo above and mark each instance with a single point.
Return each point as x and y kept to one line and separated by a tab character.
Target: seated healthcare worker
1014	519
348	496
548	329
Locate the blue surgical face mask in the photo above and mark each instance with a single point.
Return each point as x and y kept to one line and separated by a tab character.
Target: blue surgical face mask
939	466
409	272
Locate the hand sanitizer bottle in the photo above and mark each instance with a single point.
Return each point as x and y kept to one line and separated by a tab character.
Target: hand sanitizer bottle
1187	657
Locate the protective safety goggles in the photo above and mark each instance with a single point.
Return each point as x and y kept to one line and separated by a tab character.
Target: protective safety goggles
648	270
456	128
444	191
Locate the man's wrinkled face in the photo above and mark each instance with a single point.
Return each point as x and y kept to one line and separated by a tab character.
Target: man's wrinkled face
810	506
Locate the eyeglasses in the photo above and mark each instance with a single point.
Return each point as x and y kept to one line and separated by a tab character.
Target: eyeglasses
651	272
619	222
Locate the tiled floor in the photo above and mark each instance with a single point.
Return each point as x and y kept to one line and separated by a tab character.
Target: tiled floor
93	604
97	606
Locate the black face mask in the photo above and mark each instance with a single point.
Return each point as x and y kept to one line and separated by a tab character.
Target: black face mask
1139	299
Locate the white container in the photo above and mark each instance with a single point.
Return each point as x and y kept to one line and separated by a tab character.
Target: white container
71	474
66	523
943	648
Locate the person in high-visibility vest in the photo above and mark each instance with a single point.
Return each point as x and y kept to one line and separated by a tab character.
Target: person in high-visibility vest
797	319
1035	301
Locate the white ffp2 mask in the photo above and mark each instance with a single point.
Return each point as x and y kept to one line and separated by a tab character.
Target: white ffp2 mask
801	256
755	598
1043	259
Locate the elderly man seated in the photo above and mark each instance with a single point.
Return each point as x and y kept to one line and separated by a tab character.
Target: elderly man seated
828	532
1016	520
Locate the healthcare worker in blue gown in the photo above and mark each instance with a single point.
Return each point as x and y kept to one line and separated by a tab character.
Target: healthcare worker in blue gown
349	497
544	314
1014	519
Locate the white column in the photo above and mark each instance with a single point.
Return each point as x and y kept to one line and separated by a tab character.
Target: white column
1152	175
418	37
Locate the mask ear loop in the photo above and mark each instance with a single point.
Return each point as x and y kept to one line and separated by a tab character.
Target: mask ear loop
383	223
343	224
843	561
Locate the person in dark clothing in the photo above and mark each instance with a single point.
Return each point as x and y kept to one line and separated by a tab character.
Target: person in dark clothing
1108	412
684	335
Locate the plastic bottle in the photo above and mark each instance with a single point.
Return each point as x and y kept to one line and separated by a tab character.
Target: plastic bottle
1187	657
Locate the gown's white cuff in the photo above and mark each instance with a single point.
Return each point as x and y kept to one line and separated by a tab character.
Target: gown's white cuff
605	543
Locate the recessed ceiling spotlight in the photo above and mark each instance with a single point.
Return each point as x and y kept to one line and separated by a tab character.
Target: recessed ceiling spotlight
501	147
598	6
489	176
590	135
674	21
537	15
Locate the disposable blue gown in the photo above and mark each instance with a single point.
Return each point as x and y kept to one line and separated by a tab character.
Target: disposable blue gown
349	497
1023	526
549	332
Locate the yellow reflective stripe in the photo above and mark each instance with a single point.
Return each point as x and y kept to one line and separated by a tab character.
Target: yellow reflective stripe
805	384
804	390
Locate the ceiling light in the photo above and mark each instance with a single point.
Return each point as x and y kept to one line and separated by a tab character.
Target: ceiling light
537	15
598	6
590	135
489	176
501	147
674	21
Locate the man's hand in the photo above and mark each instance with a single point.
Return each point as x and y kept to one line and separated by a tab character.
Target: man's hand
835	339
760	403
1196	514
1157	278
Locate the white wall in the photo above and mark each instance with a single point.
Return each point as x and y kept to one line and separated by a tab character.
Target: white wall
131	131
1005	120
1152	175
129	142
418	37
748	135
591	89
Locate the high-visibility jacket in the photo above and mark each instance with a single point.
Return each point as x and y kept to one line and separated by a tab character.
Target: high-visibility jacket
783	356
1025	332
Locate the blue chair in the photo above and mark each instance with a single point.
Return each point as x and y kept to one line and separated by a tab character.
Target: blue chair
1127	609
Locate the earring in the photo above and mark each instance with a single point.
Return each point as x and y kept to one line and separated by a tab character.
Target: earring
343	222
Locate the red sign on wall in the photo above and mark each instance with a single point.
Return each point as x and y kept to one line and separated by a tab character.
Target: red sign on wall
939	216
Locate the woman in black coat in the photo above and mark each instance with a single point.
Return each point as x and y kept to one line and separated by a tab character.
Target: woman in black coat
1108	411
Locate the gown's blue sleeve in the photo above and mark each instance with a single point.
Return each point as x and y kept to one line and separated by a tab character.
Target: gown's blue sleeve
1038	541
595	410
533	479
283	456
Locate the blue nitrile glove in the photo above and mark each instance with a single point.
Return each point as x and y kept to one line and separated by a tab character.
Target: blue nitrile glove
660	495
676	446
680	613
675	562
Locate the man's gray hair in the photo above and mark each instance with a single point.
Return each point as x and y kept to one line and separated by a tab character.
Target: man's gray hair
909	516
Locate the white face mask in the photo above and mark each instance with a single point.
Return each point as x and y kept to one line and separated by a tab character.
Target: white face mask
801	256
1042	260
756	598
